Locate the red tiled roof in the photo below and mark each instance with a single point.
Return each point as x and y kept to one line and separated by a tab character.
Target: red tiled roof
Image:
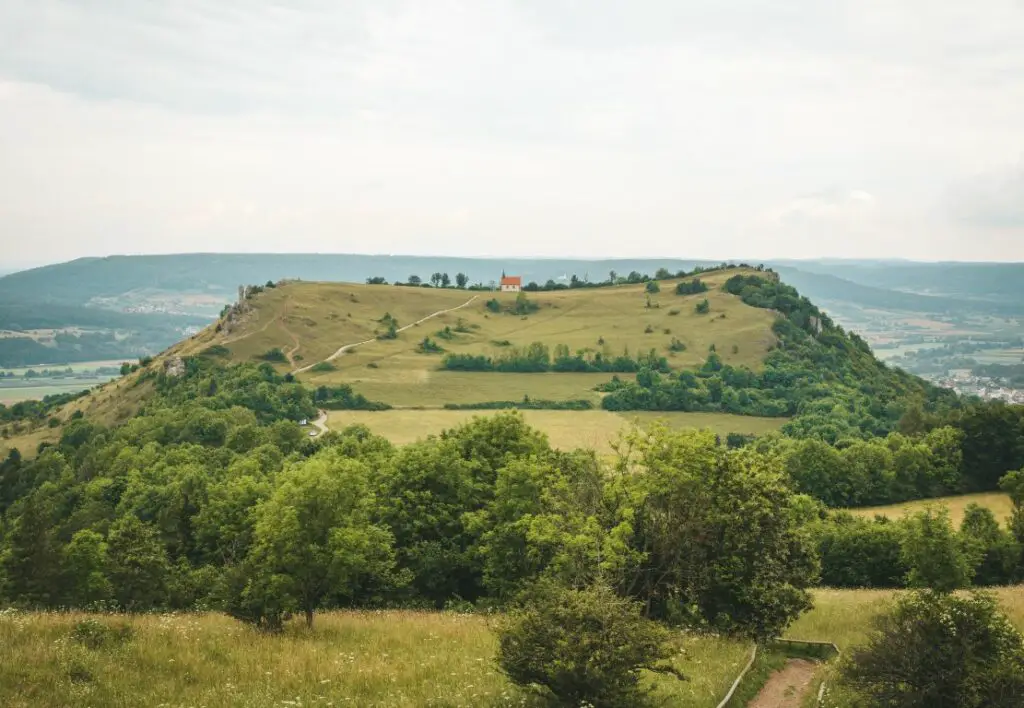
512	280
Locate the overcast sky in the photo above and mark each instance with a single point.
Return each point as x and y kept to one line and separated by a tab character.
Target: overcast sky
683	128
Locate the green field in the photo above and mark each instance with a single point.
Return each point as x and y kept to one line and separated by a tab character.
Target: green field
566	429
999	504
40	388
77	367
17	389
395	659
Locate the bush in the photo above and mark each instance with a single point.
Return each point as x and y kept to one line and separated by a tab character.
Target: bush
584	647
216	350
429	346
323	367
936	650
652	287
692	287
273	355
703	307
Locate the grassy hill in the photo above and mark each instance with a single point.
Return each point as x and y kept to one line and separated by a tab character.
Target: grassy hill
309	322
371	337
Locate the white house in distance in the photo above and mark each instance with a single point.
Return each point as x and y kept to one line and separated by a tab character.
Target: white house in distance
511	283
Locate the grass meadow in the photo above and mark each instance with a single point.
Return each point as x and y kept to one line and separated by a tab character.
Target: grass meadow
998	502
383	658
565	429
391	658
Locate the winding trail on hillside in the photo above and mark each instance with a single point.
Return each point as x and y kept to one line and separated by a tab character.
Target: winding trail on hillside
346	347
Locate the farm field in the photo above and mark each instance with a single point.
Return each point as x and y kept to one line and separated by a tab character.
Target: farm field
565	429
19	388
75	367
39	388
999	504
394	659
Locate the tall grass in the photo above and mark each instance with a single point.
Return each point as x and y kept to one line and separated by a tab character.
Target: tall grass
393	658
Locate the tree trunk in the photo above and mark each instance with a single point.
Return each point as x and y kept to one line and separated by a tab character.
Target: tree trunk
309	617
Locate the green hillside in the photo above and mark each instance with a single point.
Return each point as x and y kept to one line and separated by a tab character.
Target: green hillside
737	343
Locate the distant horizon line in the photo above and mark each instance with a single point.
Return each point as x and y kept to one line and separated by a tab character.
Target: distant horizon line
21	266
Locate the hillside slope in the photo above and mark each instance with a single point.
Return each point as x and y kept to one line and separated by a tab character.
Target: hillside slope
748	345
309	322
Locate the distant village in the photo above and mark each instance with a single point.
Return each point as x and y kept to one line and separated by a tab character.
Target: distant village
968	384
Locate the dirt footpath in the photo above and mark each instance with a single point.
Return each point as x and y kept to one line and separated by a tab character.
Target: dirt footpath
787	687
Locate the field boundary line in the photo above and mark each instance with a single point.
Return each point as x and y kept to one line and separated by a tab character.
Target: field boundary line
736	683
341	350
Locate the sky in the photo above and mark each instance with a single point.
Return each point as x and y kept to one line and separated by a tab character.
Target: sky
584	128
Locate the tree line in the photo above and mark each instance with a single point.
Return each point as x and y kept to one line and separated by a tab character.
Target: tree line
538	358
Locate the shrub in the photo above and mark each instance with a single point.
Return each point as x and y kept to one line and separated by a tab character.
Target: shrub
652	287
940	650
692	287
583	647
703	307
648	329
674	311
677	346
493	305
445	333
216	350
429	346
323	367
273	355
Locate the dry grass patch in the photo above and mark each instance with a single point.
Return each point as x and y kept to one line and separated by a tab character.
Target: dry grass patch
998	502
565	429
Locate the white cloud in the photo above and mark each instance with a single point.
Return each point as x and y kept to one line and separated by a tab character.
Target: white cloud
509	126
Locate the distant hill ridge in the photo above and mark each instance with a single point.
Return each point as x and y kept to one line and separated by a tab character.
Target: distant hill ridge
921	286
